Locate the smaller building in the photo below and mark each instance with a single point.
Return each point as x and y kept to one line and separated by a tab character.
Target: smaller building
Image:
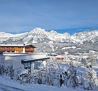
60	57
35	64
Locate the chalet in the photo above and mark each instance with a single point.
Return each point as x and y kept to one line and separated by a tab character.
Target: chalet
17	48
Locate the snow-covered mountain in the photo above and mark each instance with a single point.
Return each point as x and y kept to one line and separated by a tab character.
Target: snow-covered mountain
38	35
85	36
52	40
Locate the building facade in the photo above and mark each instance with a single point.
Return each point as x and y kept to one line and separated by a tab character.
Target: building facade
17	48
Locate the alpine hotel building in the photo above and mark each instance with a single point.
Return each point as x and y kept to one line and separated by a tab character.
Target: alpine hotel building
16	48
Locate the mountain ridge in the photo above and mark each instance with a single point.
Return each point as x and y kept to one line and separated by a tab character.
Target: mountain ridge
52	41
39	33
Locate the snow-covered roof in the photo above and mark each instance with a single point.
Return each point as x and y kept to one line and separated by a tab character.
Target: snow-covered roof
15	45
59	56
33	60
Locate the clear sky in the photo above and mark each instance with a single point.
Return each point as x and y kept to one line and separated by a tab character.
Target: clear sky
24	15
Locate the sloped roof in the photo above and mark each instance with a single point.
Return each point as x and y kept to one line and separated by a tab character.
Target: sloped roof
16	45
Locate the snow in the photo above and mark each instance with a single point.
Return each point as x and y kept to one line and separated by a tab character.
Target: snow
39	33
52	37
3	34
29	87
15	85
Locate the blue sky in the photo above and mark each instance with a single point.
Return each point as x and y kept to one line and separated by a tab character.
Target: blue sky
23	15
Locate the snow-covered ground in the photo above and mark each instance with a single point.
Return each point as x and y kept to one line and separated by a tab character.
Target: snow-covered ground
7	84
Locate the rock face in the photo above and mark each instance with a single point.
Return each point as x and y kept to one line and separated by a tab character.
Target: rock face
51	41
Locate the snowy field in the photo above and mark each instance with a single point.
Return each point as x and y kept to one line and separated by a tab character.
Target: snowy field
9	85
